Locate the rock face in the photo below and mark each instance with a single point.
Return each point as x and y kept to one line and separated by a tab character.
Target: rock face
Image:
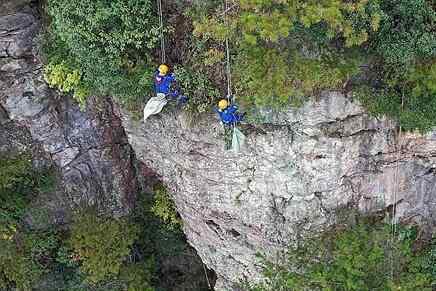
296	170
10	7
90	148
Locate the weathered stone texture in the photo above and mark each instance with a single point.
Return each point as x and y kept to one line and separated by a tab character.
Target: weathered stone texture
297	169
90	147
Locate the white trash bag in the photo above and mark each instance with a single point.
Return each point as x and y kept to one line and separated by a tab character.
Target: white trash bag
155	105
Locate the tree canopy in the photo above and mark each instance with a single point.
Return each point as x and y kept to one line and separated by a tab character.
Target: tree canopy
282	51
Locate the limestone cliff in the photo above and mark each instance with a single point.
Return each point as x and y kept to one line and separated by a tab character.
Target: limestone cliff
295	172
89	147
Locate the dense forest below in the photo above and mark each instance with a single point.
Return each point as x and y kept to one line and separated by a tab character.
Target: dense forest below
90	250
381	53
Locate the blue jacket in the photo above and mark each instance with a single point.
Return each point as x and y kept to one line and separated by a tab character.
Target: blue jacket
229	115
162	84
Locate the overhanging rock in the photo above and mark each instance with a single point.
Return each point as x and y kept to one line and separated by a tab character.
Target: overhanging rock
295	171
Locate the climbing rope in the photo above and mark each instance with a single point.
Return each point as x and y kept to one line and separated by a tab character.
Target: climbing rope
228	64
230	97
162	38
396	188
207	278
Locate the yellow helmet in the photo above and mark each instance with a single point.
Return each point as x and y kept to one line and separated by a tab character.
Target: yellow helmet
163	69
223	104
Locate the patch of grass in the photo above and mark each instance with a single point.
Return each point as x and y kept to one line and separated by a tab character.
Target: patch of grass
164	208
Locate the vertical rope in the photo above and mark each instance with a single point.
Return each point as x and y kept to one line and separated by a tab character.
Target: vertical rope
230	97
207	277
228	65
397	186
162	37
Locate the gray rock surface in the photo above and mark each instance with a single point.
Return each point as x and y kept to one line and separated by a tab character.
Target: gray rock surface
89	147
298	168
10	7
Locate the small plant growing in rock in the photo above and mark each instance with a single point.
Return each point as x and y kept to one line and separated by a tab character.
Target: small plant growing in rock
164	208
67	80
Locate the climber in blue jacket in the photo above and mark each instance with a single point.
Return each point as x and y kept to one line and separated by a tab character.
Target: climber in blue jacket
228	112
165	82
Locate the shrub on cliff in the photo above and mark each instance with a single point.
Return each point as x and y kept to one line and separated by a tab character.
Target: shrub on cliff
284	50
363	257
164	208
405	68
60	76
108	42
16	267
407	32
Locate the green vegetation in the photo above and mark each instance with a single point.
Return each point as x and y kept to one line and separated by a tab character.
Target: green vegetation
91	256
14	192
167	245
284	51
405	47
66	80
281	51
362	257
102	45
140	252
95	255
20	253
138	276
19	182
164	208
16	267
101	245
198	87
14	171
406	32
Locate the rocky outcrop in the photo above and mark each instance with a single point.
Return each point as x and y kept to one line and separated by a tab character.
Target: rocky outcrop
298	168
89	147
16	140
